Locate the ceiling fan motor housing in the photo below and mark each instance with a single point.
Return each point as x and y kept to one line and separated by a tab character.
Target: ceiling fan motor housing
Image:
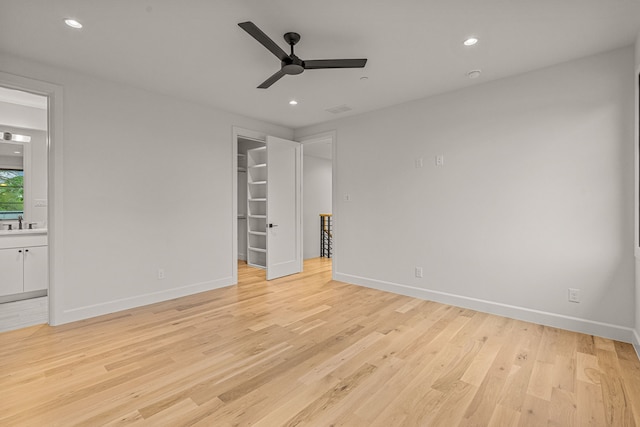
292	65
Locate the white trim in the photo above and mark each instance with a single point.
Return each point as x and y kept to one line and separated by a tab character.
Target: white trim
53	93
236	133
561	321
636	144
636	237
137	301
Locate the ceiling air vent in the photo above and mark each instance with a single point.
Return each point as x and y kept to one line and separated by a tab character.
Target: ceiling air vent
339	109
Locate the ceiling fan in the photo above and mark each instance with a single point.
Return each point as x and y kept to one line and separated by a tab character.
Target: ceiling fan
291	64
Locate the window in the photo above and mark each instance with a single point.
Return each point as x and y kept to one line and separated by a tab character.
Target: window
11	193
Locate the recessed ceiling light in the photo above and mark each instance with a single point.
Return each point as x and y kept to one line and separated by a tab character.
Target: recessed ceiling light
470	41
73	23
293	102
363	78
474	74
16	152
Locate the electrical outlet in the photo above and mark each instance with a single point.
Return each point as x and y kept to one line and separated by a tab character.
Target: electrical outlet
161	274
440	160
346	197
574	295
419	272
419	162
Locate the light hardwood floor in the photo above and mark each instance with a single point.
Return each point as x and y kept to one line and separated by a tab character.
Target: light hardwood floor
304	350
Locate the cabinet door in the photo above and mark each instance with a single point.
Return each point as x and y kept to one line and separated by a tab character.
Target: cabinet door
36	266
11	271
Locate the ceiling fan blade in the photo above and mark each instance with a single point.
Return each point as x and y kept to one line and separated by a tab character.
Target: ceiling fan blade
263	39
271	80
315	64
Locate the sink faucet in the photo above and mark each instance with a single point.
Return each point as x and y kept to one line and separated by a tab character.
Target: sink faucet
20	222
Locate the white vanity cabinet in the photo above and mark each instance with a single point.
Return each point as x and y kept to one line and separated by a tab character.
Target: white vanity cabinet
23	264
35	268
11	266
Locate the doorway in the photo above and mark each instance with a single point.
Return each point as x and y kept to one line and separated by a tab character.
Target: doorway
43	201
319	189
273	201
24	299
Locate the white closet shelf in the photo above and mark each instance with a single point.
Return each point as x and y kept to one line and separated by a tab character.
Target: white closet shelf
256	202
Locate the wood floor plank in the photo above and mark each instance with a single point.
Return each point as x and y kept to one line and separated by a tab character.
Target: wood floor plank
562	410
307	350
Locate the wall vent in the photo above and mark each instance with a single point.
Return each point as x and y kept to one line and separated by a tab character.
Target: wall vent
339	109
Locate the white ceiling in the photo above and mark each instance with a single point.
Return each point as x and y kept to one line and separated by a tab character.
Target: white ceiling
195	49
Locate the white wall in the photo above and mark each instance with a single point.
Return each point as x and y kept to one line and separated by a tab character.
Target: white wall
535	196
21	116
147	184
11	162
37	178
316	200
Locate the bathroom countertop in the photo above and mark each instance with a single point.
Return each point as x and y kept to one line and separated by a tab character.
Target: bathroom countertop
25	231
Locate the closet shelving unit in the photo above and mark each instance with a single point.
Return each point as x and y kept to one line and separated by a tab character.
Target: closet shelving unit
242	206
257	207
242	178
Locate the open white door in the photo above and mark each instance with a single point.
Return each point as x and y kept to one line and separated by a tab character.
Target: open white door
284	207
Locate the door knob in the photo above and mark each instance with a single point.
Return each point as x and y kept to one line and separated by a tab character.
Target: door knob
273	225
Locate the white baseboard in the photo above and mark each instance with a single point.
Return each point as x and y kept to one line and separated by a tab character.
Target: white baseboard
636	342
585	326
242	257
89	311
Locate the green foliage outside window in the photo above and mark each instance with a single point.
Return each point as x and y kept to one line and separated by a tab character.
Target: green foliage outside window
11	193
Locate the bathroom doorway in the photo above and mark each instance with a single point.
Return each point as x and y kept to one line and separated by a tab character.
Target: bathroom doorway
31	137
23	209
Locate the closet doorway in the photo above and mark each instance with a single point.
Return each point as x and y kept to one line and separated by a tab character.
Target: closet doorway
267	217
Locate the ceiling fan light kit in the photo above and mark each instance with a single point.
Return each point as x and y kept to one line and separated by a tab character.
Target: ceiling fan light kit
290	63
